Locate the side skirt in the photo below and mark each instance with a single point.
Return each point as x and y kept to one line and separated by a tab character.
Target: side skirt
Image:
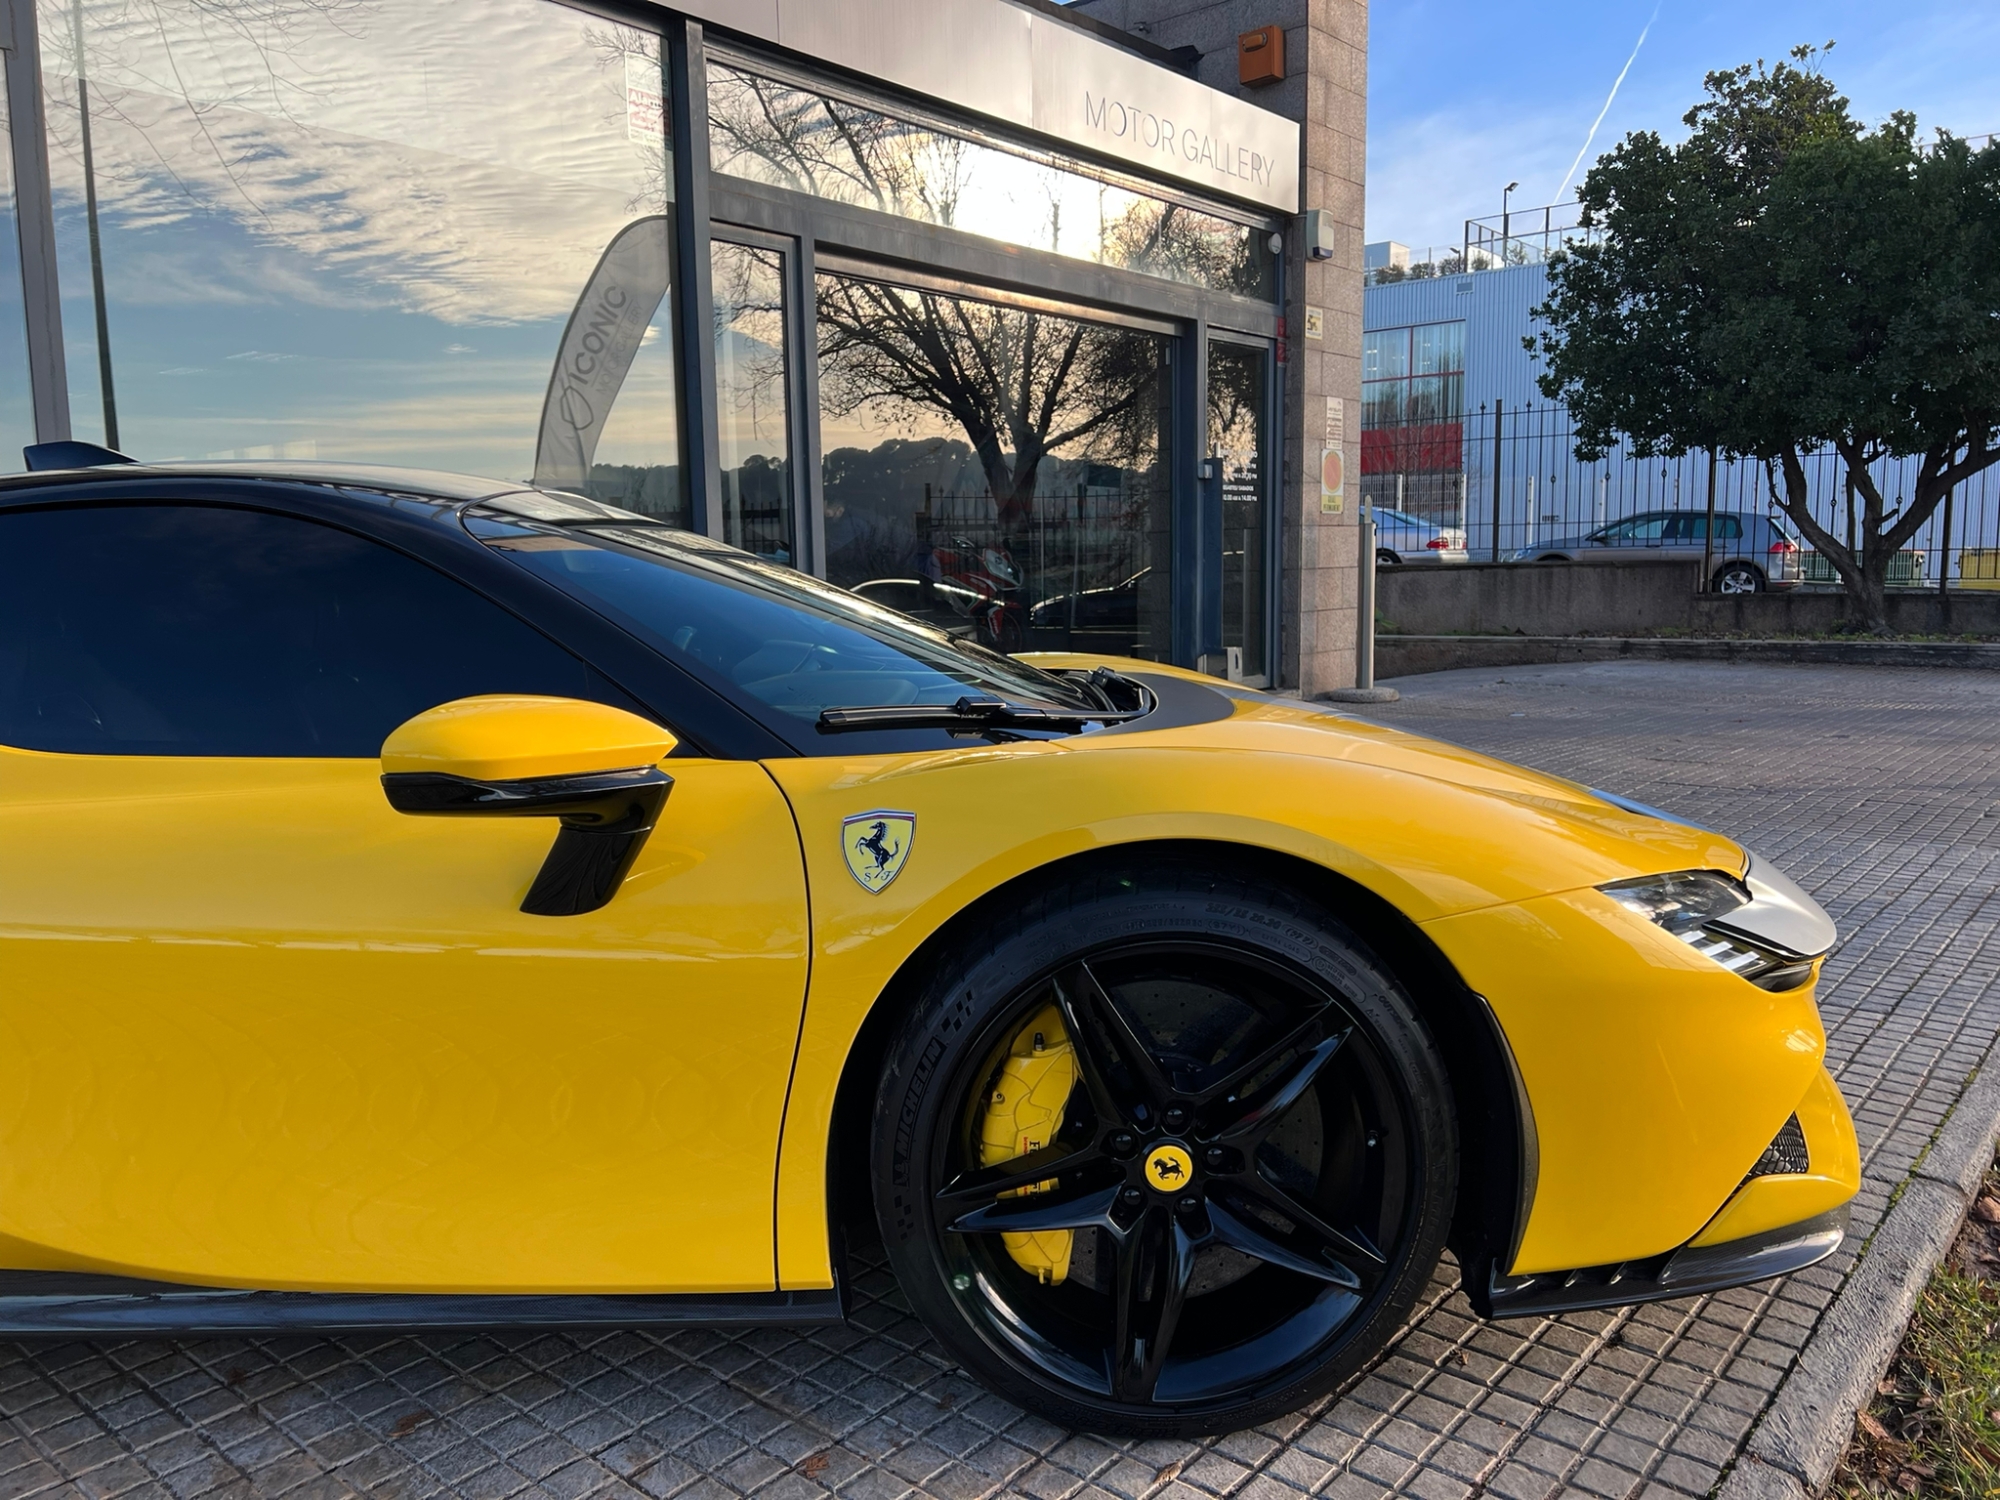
1679	1273
60	1305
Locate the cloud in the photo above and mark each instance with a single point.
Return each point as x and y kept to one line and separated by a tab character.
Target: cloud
457	161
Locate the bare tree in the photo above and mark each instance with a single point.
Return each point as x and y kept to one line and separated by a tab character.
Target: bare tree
1020	384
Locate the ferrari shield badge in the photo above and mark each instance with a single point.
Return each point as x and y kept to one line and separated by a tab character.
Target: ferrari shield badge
877	844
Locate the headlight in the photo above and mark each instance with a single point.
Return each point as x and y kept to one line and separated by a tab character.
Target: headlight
1689	904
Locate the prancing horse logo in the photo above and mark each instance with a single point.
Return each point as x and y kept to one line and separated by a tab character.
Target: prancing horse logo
1168	1166
876	846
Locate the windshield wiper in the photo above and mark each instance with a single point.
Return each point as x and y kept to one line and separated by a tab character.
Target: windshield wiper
969	715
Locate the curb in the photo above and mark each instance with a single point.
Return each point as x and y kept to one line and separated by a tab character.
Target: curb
1409	655
1795	1445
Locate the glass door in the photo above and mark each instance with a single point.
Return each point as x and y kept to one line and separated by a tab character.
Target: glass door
1239	383
755	431
998	466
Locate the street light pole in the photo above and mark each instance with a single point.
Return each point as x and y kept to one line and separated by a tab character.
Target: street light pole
1506	219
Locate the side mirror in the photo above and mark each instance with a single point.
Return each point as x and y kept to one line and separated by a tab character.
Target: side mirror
594	767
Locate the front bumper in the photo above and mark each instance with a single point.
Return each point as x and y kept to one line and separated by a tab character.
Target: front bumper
1657	1068
1789	1212
1687	1272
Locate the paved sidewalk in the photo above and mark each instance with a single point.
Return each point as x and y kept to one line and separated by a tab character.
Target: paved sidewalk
1879	790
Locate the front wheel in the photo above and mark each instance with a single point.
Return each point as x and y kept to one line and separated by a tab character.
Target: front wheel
1163	1154
1738	578
1385	558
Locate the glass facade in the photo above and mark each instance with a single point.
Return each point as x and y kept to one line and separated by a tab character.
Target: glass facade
397	232
447	237
996	470
778	133
17	417
753	400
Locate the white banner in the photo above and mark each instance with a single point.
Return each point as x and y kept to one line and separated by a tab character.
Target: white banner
604	333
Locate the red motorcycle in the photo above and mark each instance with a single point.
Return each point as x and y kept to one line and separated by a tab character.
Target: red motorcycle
983	583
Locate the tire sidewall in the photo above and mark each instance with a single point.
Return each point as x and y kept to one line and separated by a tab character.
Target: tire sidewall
958	1018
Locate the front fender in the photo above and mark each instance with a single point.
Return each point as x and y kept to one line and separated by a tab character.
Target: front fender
990	814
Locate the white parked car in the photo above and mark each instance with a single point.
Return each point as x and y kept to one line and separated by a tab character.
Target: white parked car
1404	538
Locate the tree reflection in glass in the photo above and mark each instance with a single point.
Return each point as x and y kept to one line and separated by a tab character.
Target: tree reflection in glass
812	142
751	400
1014	481
1237	410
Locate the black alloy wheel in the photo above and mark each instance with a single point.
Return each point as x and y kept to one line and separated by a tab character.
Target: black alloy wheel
1241	1192
1738	578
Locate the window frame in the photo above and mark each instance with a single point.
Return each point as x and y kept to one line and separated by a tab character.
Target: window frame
1450	382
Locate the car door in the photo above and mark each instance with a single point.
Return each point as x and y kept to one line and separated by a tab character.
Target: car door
260	1030
1687	538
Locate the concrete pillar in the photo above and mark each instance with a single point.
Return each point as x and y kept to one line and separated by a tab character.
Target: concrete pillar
1326	90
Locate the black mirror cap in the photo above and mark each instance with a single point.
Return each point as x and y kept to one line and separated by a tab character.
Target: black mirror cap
69	454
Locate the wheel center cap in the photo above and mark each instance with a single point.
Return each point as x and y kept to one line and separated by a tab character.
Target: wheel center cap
1169	1168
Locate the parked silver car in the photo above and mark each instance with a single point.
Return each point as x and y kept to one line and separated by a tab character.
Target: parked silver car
1752	553
1404	538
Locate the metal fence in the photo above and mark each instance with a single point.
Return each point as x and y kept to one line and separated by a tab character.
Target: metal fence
1510	479
1529	237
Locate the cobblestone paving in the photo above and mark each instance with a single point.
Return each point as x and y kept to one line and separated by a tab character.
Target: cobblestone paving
1878	790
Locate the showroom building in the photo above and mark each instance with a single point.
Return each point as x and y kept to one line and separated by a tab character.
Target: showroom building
974	305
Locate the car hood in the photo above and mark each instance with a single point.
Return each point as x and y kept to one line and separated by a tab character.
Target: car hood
1371	784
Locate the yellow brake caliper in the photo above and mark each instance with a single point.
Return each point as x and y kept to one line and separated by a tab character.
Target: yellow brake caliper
1023	1115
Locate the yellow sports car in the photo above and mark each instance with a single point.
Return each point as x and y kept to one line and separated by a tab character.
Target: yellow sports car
434	902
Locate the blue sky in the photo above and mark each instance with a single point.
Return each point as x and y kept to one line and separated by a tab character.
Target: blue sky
1466	97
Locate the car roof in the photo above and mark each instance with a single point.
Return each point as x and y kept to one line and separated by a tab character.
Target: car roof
1649	515
435	483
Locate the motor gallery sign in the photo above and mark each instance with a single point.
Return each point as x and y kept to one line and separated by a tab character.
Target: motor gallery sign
1120	105
1124	121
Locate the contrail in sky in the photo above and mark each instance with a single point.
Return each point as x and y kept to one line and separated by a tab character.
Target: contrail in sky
1607	104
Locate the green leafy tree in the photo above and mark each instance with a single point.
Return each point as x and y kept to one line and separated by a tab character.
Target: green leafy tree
1783	281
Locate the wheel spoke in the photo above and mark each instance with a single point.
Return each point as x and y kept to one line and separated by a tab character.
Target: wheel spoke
1154	1266
1031	1212
1249	1129
1349	1246
1254	1239
1233	1084
1088	1010
987	1183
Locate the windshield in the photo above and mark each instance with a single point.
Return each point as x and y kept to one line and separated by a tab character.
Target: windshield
792	642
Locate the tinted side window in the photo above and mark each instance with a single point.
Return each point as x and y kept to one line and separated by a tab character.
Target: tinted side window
188	630
1695	529
1646	528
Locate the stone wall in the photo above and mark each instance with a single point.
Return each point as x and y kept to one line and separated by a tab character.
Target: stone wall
1639	599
